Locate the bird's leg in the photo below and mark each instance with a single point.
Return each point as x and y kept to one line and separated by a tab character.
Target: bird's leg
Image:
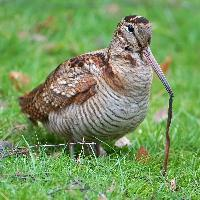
71	149
98	149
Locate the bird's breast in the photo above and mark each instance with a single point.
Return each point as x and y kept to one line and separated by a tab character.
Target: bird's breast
106	115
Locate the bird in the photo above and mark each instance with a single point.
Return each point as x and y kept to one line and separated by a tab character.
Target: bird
102	95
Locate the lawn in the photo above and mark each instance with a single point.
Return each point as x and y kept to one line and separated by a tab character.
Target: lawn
36	36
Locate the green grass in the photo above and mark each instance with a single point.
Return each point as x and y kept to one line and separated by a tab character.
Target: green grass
80	27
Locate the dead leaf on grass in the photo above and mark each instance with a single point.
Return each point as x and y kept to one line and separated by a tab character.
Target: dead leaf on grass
160	115
166	64
19	79
142	154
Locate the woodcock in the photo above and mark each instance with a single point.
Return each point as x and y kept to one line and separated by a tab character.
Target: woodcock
101	95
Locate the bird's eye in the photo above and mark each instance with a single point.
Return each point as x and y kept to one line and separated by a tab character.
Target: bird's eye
130	28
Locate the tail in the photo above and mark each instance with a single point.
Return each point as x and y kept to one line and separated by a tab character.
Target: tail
27	103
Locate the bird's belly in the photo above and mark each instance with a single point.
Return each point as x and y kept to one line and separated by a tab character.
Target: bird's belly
105	116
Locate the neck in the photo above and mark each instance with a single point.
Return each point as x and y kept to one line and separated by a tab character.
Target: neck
134	73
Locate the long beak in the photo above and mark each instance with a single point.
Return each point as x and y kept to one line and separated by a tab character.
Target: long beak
150	58
152	61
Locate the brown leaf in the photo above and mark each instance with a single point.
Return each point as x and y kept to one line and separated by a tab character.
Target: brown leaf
19	79
142	154
47	23
160	115
112	8
123	141
166	64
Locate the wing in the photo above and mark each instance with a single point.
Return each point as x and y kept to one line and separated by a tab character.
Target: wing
71	82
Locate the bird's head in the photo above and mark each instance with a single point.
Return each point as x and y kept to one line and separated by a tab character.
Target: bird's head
135	32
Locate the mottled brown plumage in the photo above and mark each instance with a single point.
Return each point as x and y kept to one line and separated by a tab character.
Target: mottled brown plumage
101	95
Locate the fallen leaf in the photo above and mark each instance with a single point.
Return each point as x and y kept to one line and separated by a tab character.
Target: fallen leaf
160	115
112	8
102	196
142	154
123	141
19	79
47	23
166	64
173	185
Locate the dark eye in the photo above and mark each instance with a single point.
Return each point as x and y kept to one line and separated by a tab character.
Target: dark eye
130	28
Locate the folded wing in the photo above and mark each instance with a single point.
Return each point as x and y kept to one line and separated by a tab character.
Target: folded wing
71	82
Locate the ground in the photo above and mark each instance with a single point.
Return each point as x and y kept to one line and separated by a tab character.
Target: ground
38	35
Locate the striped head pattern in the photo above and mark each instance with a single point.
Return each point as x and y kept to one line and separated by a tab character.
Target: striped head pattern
135	32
